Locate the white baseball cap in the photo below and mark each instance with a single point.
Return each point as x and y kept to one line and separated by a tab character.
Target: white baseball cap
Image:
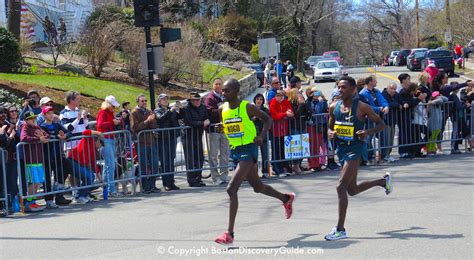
111	100
45	100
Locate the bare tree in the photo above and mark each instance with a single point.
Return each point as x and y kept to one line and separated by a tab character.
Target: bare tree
100	42
395	16
304	14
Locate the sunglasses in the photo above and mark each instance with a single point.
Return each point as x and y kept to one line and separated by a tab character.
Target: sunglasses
143	101
11	111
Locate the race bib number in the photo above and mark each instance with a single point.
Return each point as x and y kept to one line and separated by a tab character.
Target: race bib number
344	130
233	127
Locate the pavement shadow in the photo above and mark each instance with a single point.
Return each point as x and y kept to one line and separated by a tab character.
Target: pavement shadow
302	242
405	234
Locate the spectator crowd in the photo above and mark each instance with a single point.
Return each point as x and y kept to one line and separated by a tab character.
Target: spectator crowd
61	150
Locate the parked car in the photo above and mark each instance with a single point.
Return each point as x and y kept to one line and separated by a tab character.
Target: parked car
470	48
333	55
414	63
441	58
392	56
401	58
327	70
259	69
417	53
311	61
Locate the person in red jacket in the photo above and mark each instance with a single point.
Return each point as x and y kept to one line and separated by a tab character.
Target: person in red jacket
281	111
84	163
106	122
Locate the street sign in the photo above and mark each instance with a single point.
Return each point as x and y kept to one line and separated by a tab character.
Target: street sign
447	36
158	60
169	35
267	47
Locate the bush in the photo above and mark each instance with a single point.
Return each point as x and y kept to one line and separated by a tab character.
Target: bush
132	44
254	53
10	55
237	31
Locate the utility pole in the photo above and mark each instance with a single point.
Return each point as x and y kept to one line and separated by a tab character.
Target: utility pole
14	14
448	25
417	9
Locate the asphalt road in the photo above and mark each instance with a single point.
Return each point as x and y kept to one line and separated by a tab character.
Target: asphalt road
429	215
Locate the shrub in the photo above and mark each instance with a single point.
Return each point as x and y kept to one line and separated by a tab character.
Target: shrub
254	53
10	55
237	31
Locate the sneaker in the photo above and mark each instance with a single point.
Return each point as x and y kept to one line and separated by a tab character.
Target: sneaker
289	205
81	200
391	159
219	181
51	205
3	213
33	207
388	183
333	166
118	195
335	235
225	239
455	152
91	198
62	201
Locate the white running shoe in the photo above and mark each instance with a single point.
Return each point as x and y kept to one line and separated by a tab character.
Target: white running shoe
51	205
388	183
335	235
81	200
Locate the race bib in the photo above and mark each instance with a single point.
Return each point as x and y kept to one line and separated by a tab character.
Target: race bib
233	127
344	130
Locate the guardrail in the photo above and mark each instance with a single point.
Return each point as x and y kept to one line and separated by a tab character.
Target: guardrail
3	176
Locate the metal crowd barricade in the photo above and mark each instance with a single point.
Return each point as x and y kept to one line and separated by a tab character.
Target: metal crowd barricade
3	171
75	165
426	126
295	139
168	151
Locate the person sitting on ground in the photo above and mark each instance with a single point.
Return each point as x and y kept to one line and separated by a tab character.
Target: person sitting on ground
84	162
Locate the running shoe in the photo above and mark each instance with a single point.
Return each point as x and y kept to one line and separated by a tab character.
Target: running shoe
388	183
335	235
81	200
289	205
51	205
225	239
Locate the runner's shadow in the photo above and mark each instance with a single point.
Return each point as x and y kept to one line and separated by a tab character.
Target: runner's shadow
400	234
301	242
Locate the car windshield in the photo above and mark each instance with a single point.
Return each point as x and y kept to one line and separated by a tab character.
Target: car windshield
405	52
419	54
313	58
438	54
331	55
327	65
395	53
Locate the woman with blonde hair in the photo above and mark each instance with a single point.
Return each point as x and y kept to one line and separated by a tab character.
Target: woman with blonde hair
298	123
106	122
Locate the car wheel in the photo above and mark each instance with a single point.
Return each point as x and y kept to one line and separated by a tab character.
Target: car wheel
315	81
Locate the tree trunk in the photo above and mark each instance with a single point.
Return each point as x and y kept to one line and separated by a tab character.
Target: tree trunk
300	56
314	41
14	14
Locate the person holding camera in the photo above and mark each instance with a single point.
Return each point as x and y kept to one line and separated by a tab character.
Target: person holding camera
32	104
168	117
196	117
142	119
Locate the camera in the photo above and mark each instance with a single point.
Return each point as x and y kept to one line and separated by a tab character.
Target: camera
32	102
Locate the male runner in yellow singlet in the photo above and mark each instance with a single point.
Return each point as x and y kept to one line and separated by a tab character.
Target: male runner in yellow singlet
239	129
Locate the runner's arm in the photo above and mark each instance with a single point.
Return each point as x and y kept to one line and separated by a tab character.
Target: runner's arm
254	111
369	112
331	121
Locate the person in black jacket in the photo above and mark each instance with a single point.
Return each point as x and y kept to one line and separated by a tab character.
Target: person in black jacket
167	117
467	98
259	101
407	133
393	98
196	117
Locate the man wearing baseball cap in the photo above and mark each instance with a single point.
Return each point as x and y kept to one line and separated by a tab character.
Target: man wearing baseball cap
45	102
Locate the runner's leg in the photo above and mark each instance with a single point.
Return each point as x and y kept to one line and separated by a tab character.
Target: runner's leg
240	173
354	188
259	187
348	171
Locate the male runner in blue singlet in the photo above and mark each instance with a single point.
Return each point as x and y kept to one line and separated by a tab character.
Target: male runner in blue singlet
346	126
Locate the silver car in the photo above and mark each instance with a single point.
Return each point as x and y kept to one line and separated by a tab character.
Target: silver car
327	70
391	59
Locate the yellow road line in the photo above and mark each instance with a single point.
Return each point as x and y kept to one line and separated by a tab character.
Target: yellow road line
371	70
